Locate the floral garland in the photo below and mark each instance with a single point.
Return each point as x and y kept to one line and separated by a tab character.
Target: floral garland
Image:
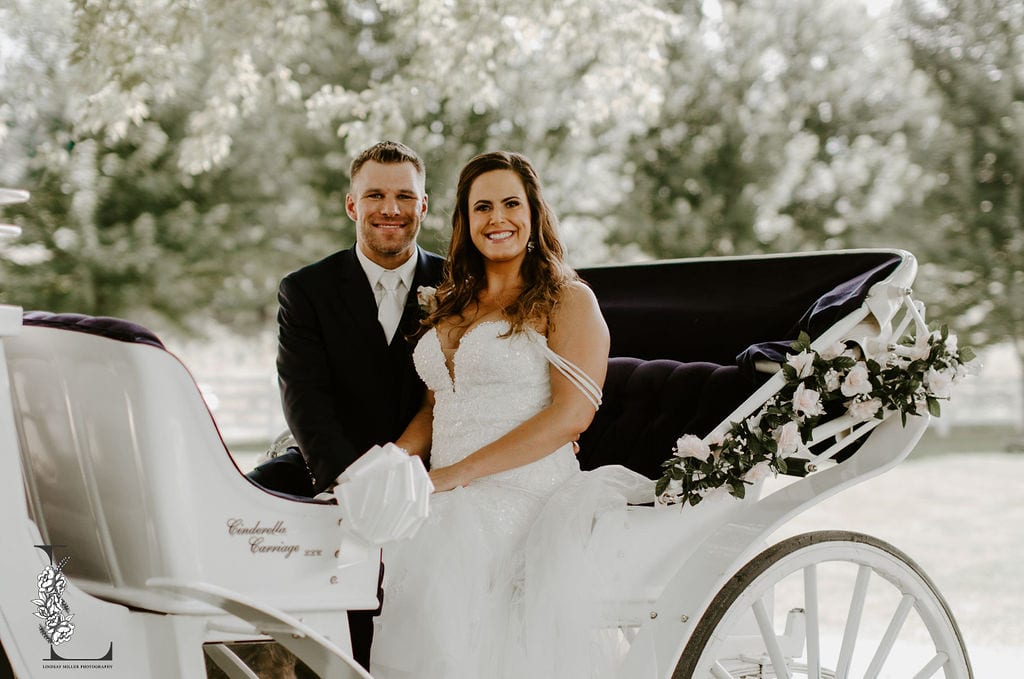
841	379
51	607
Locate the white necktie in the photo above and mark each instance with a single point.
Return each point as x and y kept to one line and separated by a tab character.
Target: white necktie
389	311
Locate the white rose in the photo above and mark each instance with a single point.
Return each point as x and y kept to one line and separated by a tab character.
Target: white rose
426	297
689	445
788	438
716	438
951	343
857	380
833	350
864	410
807	401
803	363
939	382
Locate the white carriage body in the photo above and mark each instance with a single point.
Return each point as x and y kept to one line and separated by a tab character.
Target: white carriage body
108	450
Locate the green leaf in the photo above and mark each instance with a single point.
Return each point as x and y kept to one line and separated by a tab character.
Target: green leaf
966	355
661	485
843	363
933	407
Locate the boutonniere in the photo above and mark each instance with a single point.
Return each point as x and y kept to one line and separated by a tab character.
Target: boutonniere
426	297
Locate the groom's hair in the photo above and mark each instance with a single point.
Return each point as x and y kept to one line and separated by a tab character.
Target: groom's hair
387	152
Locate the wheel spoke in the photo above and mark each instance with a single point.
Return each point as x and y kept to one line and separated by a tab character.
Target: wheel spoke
726	643
933	666
889	638
860	593
813	633
771	642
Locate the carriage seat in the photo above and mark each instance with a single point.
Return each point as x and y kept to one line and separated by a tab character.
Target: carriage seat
649	404
123	464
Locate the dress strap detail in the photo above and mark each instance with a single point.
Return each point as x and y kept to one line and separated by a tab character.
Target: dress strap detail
575	375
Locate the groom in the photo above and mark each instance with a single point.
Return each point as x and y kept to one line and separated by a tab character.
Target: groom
344	360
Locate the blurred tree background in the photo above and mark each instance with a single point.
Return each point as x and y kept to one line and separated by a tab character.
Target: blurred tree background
183	156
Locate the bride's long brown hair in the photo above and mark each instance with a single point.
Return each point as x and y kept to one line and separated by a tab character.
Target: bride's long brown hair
544	269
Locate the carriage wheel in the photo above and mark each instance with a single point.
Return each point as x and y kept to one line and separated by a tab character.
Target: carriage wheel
823	605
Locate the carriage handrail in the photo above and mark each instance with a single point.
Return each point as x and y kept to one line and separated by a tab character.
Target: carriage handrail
854	427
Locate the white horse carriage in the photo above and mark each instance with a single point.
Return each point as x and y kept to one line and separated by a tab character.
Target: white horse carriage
149	548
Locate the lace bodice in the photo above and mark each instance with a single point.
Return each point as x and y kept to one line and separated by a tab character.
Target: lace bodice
499	383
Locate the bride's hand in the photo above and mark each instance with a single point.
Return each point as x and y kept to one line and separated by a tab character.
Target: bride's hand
448	478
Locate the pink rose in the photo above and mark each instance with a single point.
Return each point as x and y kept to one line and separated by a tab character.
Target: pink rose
788	438
807	401
864	410
857	380
803	363
939	382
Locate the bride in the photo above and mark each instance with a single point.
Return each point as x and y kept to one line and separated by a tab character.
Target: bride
497	582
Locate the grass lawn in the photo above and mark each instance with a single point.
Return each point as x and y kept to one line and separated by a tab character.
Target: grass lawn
969	439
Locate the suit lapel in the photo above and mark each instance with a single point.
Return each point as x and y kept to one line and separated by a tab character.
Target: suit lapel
412	313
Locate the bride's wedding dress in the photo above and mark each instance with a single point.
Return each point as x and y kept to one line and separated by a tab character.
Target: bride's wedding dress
497	582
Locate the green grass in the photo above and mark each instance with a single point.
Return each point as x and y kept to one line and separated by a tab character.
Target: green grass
969	439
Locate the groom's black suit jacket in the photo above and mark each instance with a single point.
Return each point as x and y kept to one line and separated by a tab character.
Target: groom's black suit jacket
343	388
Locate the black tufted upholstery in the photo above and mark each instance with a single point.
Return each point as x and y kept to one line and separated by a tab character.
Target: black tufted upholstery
649	404
700	325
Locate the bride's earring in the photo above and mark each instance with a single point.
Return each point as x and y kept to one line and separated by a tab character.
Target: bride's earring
529	246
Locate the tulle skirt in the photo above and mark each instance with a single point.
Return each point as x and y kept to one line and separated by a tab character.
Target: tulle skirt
497	583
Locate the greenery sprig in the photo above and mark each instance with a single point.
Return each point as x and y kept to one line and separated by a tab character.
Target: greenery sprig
843	379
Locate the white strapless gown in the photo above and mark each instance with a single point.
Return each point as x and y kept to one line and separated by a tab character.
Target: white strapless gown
497	583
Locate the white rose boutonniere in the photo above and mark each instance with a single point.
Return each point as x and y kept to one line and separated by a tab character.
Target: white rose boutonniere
426	297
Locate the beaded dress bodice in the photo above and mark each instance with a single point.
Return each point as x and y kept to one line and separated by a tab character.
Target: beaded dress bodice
499	383
498	582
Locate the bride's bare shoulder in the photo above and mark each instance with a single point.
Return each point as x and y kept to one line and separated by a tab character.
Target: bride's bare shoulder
577	309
